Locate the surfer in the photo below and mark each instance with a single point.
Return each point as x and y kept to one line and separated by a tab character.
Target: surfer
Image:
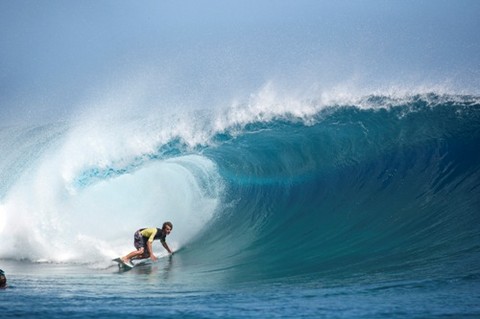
143	239
3	280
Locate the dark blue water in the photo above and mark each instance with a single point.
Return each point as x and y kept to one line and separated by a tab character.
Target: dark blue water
369	210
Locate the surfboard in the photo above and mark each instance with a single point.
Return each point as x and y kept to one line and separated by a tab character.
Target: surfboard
134	263
140	262
122	265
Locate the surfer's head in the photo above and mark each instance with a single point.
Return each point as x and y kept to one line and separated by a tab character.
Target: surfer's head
167	227
3	279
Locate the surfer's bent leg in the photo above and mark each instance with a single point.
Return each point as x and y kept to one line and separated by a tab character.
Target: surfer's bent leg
139	244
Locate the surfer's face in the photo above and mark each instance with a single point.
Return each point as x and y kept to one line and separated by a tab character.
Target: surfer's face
167	229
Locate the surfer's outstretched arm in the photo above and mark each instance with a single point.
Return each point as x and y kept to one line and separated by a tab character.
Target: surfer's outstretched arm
164	243
150	251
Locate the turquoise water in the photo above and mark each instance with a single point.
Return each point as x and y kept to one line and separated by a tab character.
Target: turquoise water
368	209
164	291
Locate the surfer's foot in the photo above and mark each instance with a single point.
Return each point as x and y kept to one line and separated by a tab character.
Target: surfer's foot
126	261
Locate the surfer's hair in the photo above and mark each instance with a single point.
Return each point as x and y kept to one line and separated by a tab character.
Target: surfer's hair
167	224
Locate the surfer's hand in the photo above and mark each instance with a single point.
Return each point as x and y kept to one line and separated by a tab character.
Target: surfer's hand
154	258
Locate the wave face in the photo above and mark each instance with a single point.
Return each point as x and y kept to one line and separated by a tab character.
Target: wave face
360	189
378	185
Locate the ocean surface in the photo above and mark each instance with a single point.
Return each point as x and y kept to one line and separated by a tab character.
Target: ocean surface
360	208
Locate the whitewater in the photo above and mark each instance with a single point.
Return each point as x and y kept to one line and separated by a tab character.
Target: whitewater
362	207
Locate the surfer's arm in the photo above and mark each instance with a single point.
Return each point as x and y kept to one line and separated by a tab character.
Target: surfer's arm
150	250
164	243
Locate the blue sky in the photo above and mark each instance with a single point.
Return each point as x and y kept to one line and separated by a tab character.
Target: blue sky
56	54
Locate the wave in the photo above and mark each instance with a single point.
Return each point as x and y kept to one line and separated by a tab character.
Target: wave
267	189
390	186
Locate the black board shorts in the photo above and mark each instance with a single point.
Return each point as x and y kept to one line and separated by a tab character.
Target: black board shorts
139	241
